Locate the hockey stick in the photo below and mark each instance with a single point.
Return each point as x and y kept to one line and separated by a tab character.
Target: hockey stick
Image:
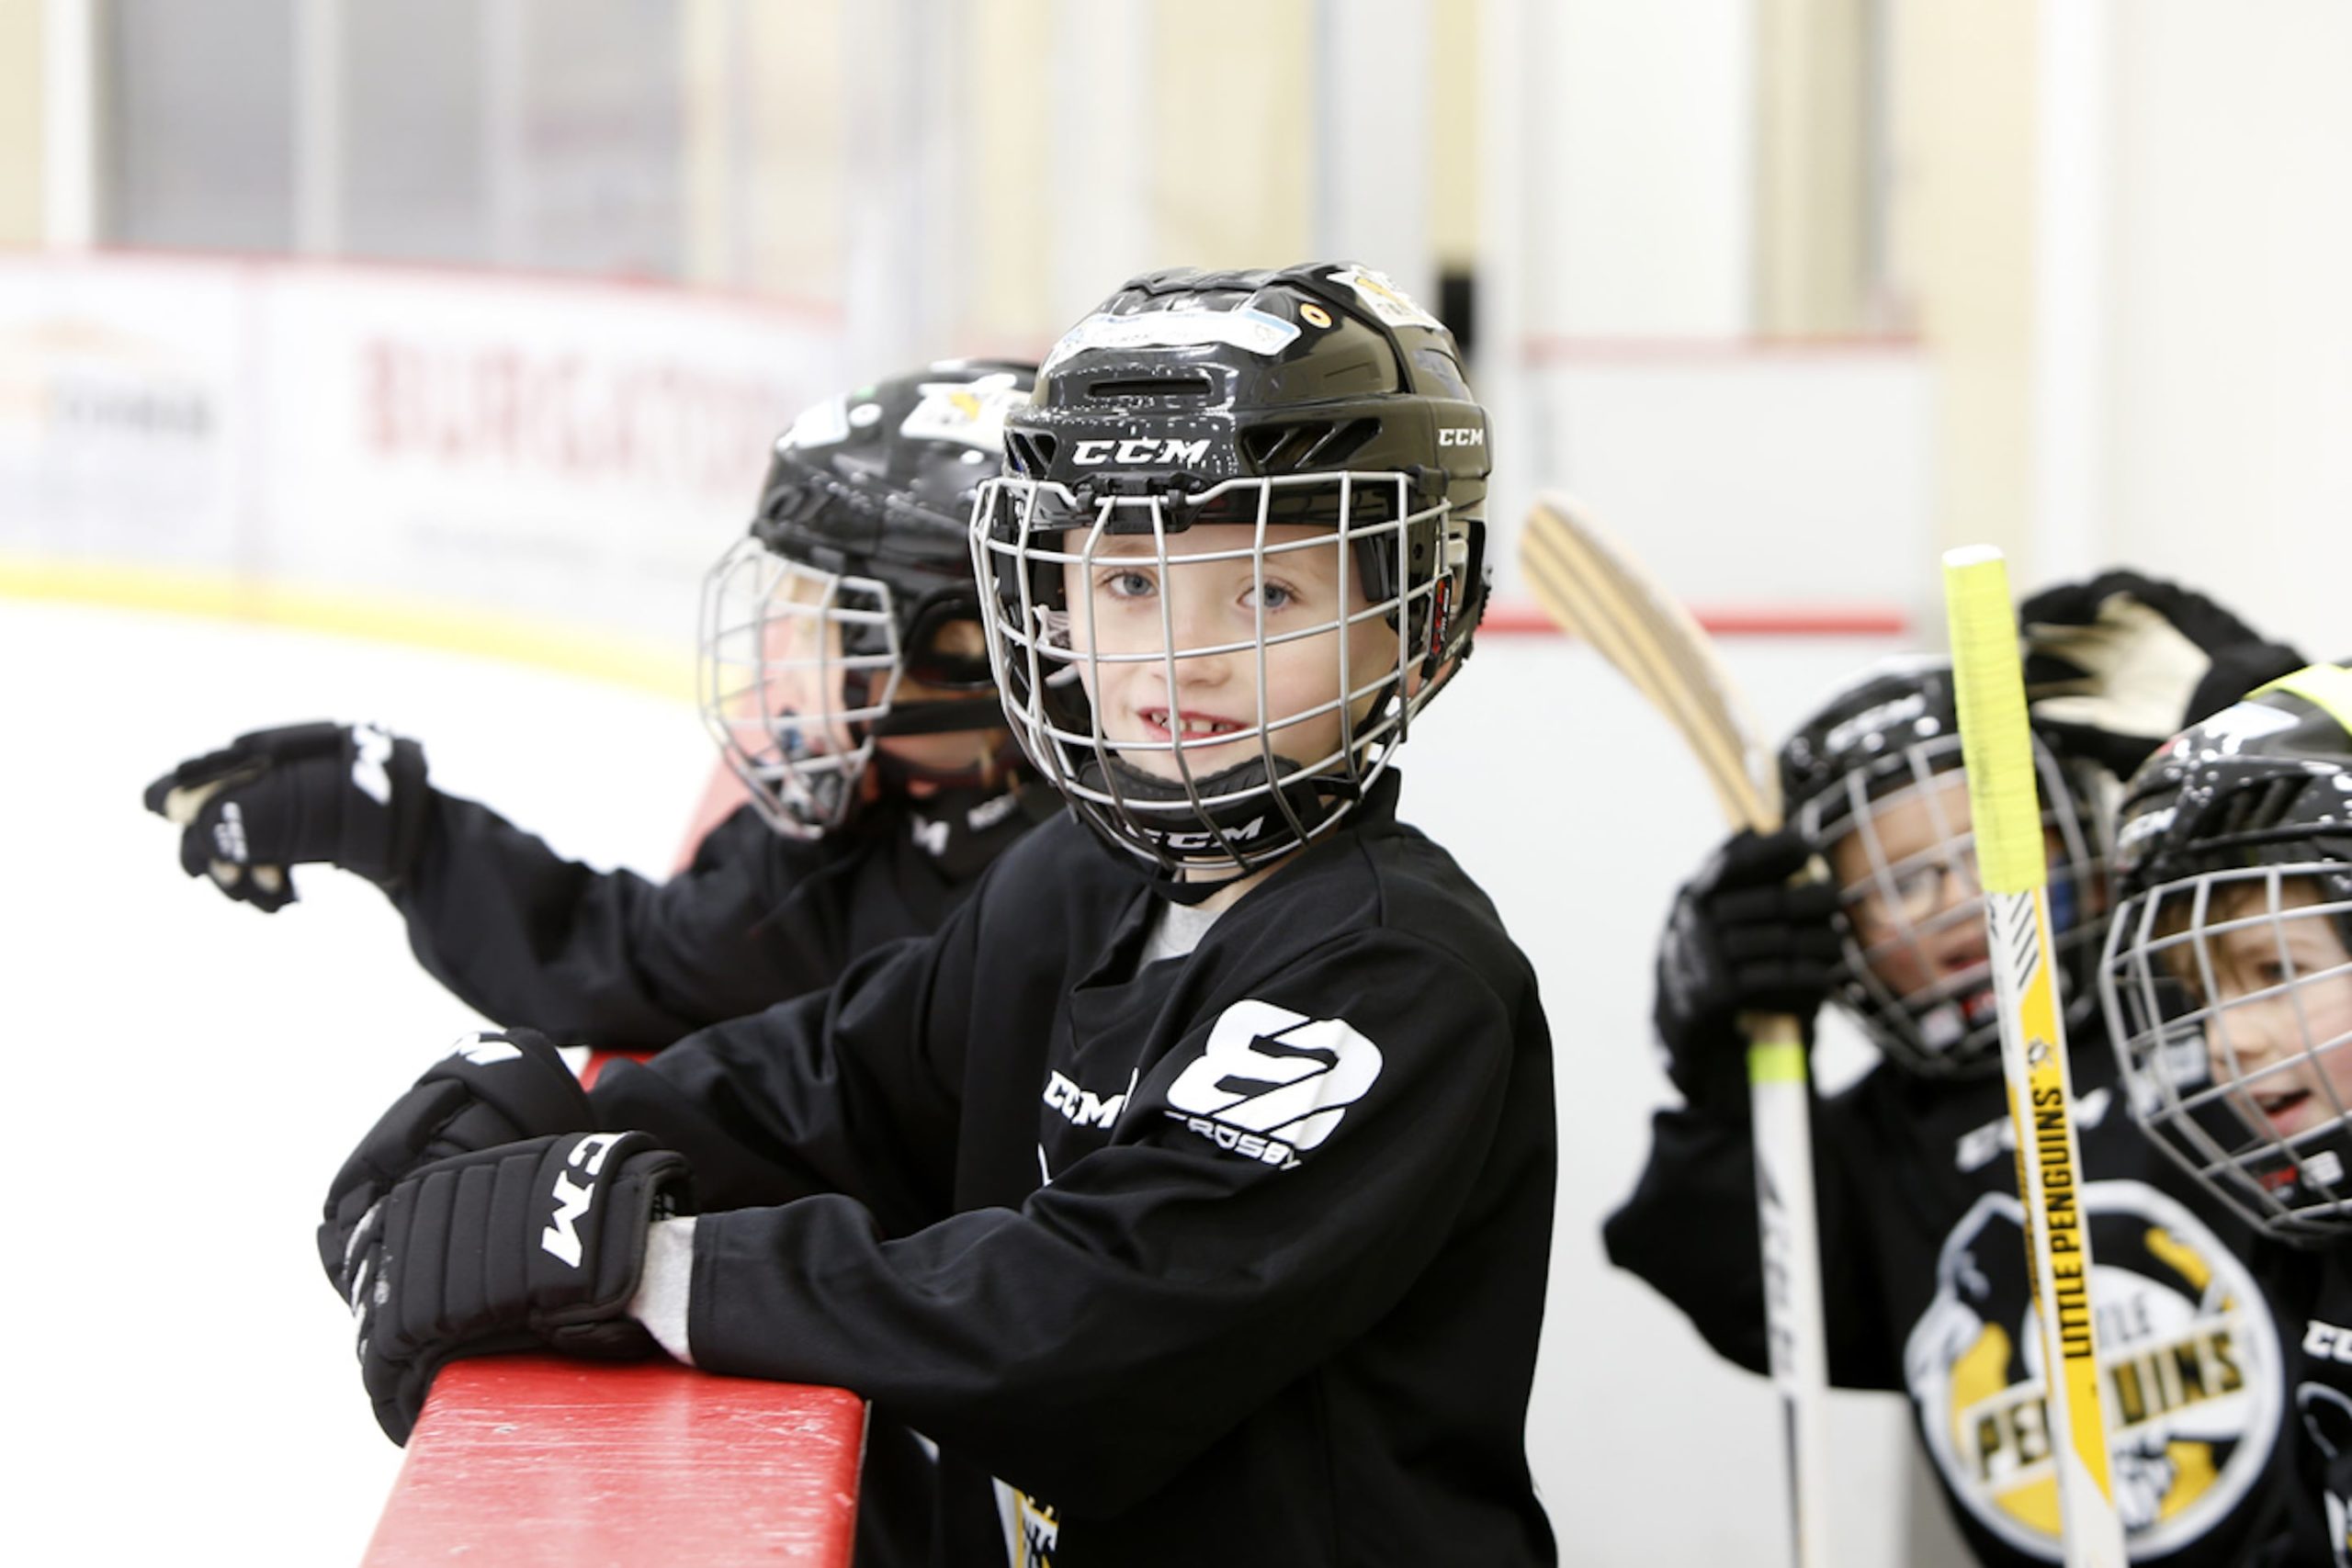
2013	863
1588	584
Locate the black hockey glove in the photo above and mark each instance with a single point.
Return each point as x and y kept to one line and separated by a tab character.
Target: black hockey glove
2117	665
1742	937
492	1089
524	1246
350	795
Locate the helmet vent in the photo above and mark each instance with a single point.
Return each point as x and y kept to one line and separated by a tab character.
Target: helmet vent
1030	453
1343	443
2255	810
1137	388
1279	446
1311	443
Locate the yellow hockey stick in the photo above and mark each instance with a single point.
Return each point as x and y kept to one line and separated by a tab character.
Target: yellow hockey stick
1587	583
2013	863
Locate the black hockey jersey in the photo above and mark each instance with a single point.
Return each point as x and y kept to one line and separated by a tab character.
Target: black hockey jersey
1237	1259
614	959
1927	1292
2313	1292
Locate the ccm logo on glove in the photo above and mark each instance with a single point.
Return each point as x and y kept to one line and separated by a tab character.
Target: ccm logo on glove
561	1238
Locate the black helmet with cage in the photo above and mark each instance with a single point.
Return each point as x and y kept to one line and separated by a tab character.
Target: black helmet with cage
847	614
1872	782
2228	974
1323	416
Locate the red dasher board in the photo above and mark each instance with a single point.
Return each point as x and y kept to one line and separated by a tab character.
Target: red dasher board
524	1461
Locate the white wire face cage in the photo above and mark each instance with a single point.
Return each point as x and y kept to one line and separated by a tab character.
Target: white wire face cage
1220	755
2229	996
1914	971
797	666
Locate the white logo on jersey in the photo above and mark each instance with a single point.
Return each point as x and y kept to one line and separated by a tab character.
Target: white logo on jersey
990	812
931	837
1084	1107
1979	1147
1277	1073
2327	1341
371	751
2189	1364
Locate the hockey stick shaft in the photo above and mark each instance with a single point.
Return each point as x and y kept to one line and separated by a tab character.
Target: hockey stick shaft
1595	593
2013	863
1789	1241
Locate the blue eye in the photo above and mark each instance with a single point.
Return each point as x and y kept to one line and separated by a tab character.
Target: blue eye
1127	584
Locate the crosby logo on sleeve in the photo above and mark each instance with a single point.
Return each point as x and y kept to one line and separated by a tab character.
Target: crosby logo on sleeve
1270	1082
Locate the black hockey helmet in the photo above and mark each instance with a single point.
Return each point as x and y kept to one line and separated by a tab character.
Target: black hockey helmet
854	581
1878	743
1317	395
2267	781
2234	843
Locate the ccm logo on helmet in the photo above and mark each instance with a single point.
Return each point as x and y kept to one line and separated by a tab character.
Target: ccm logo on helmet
561	1238
1140	449
1460	435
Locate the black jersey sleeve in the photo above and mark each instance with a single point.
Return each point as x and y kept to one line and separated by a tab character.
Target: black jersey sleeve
605	958
1274	1183
848	1090
1690	1231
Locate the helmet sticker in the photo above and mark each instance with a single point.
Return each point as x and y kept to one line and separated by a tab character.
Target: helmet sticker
1252	331
2226	733
822	425
970	414
1384	299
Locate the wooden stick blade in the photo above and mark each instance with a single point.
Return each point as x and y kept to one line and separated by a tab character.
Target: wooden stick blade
1591	587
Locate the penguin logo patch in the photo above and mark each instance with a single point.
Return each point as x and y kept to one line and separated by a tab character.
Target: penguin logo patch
2189	1363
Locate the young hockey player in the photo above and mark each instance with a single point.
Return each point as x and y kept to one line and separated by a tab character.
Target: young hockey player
2228	982
1923	1257
1196	1196
846	676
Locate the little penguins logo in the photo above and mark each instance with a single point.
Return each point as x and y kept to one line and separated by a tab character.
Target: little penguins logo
2188	1358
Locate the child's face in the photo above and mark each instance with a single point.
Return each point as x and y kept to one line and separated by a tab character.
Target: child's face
1918	924
2276	1008
1217	706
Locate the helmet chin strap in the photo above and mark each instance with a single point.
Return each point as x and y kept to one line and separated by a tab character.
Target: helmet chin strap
945	717
1215	834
